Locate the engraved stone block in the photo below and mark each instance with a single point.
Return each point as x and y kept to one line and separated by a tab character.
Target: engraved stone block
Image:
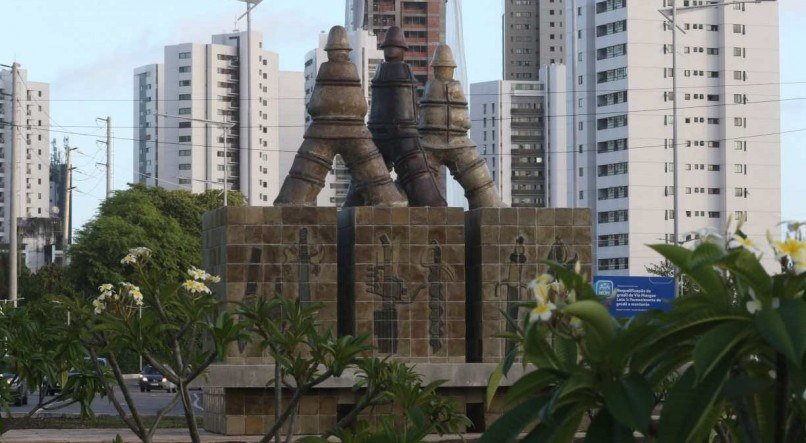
267	251
507	248
400	283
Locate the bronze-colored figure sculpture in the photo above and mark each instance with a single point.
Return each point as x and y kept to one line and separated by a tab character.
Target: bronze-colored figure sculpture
443	125
393	124
338	107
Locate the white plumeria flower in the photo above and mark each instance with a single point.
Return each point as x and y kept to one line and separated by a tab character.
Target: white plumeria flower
540	290
99	306
800	267
106	287
753	306
737	241
214	279
542	312
196	273
129	259
707	235
195	287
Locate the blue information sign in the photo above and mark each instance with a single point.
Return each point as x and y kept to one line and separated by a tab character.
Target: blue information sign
630	296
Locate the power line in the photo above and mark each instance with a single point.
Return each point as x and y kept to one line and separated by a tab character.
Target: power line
539	116
513	93
192	145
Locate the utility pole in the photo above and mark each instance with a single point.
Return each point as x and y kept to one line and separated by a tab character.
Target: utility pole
108	143
68	197
670	15
12	177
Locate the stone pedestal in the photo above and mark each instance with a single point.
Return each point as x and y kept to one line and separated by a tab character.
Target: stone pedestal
261	251
507	248
402	279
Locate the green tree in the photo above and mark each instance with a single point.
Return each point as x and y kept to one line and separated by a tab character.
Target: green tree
166	222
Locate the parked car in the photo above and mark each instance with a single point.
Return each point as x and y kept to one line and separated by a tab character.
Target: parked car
55	388
150	379
17	386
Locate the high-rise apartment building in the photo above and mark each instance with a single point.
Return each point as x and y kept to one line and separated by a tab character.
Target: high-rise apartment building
729	121
423	23
534	36
525	151
39	231
366	57
211	82
29	113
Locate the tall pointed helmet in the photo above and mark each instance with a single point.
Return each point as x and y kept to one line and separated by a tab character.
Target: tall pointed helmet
394	37
443	57
337	39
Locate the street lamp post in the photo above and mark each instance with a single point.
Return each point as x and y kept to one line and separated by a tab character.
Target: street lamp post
224	126
670	14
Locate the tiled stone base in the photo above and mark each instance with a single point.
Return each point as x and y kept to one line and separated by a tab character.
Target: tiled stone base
250	411
505	249
264	251
402	279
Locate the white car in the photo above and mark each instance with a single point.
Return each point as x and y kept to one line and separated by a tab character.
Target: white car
167	385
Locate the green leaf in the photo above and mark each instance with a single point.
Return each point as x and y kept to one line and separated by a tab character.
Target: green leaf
717	344
604	428
561	428
507	428
580	379
530	384
745	385
745	265
704	276
630	401
706	254
493	383
689	405
593	313
566	349
793	313
536	349
772	328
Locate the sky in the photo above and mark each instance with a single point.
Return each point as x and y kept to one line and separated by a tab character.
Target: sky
87	49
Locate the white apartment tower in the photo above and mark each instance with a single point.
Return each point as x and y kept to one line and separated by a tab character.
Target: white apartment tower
29	112
728	97
519	128
366	56
262	124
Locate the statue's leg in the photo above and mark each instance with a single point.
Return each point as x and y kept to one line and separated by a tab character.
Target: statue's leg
414	174
307	176
470	170
370	174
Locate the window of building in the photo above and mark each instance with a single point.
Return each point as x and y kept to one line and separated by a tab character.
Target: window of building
184	166
614	264
184	69
184	111
184	139
184	82
184	55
